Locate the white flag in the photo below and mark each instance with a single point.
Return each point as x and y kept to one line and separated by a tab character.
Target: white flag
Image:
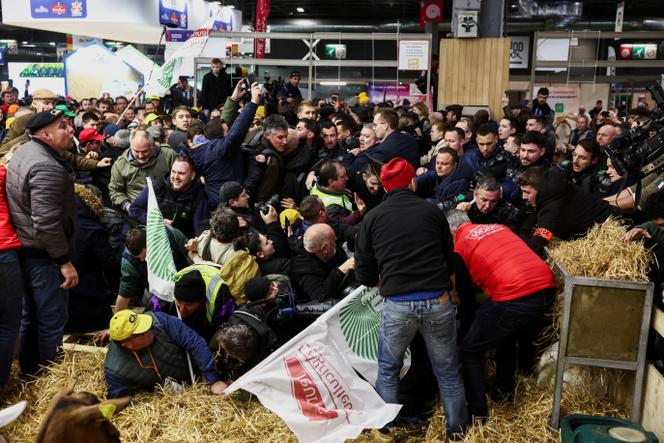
170	70
311	383
159	257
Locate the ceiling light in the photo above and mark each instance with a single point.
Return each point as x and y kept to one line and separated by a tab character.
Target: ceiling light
299	10
52	43
332	83
24	43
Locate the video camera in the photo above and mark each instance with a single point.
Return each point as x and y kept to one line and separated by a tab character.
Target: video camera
637	149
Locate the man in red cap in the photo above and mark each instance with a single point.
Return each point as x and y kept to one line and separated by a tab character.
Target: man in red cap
405	243
89	140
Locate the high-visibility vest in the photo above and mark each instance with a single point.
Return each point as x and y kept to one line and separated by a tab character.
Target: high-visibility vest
330	199
213	283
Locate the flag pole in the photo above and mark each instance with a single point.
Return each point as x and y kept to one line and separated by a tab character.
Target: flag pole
191	368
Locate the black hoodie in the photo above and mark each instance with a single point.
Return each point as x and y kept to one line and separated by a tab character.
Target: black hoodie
564	210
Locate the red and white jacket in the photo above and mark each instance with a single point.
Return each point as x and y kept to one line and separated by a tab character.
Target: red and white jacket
500	263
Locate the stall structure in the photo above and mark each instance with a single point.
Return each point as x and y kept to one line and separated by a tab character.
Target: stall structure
413	53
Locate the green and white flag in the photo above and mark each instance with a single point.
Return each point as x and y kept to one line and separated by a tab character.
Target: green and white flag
161	267
167	75
312	381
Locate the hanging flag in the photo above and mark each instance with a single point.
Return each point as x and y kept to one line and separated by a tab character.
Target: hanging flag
165	77
311	382
159	257
262	12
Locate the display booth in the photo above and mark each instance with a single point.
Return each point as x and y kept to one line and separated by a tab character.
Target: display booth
93	70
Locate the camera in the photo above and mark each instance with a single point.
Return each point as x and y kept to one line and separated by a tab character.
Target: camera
637	149
350	143
264	207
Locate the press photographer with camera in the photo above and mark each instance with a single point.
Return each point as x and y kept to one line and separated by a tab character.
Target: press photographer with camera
639	152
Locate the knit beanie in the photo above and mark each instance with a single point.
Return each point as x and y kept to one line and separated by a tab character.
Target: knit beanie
190	287
257	288
397	173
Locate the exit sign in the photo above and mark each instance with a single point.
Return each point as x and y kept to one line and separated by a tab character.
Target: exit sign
335	51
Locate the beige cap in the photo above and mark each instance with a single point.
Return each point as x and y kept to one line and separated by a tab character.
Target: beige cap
44	94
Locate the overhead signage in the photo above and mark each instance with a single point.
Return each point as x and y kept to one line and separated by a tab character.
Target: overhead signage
58	9
335	51
638	51
178	36
520	52
413	55
173	13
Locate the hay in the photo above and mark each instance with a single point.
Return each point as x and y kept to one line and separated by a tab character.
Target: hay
604	254
601	254
161	416
196	416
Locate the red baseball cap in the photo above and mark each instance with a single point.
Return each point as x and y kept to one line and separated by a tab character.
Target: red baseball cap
89	134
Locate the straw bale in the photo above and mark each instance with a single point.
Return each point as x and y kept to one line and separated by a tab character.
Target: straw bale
604	254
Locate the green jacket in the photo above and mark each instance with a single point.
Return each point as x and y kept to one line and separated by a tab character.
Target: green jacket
230	111
169	359
128	176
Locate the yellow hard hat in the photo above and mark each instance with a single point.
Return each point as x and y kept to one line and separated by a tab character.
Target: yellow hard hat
126	323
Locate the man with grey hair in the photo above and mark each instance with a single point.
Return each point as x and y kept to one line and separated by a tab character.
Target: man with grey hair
279	169
488	206
142	159
320	268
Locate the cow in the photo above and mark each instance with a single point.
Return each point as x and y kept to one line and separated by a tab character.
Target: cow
80	417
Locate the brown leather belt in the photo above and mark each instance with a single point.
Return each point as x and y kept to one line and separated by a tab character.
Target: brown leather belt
444	298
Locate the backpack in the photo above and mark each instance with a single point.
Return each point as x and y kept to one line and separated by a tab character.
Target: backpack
237	271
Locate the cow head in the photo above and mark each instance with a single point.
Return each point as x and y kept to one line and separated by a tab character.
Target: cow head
80	417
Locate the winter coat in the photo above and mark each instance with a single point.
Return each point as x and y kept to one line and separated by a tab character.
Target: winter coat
406	243
397	144
188	209
128	176
564	210
215	89
40	192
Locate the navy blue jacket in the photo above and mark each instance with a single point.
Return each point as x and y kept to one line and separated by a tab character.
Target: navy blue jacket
397	144
187	340
220	160
430	185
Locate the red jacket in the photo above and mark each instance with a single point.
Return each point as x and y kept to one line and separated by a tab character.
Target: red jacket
8	237
500	263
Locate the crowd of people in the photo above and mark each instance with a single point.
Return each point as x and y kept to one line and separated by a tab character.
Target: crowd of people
276	208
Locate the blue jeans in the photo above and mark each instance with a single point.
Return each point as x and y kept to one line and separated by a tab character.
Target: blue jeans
10	309
44	313
496	325
399	321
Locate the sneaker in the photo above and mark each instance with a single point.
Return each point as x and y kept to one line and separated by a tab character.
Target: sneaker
382	435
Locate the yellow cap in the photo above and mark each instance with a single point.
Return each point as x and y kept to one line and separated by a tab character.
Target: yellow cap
290	214
260	112
150	118
10	120
126	323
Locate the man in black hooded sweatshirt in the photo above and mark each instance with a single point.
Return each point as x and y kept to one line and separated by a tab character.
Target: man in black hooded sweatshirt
563	210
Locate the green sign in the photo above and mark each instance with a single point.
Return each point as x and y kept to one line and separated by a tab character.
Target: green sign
335	51
638	52
45	70
560	108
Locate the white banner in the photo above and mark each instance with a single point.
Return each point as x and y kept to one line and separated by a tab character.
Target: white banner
311	383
